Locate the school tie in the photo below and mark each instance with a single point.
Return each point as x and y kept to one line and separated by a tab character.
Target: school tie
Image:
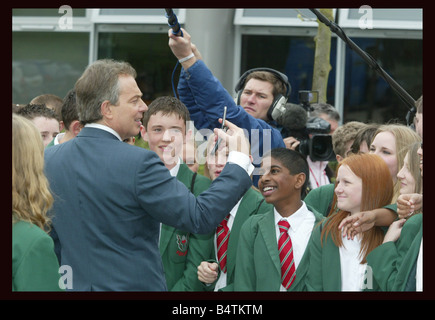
286	255
223	233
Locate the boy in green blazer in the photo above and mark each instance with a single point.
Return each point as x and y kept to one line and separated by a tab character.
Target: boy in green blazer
258	264
181	251
215	274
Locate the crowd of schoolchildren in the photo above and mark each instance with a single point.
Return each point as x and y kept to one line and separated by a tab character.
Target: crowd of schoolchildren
354	224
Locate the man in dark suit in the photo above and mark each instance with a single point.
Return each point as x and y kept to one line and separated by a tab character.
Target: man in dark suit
110	196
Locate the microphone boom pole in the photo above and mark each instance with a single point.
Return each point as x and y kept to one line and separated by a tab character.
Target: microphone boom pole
173	22
403	95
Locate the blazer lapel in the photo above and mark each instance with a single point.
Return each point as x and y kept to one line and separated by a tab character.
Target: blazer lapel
166	233
304	263
244	211
267	230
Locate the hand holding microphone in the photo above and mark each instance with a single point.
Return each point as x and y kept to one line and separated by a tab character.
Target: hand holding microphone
182	48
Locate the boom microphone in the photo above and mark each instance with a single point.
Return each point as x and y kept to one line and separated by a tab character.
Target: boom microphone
173	22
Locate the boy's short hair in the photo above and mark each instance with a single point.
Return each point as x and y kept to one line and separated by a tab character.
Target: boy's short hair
294	162
343	134
167	105
31	111
69	109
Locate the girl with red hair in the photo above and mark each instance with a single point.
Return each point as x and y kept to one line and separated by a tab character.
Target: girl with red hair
337	263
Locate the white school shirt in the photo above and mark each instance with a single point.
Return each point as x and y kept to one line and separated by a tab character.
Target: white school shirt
58	138
222	280
301	225
352	271
419	272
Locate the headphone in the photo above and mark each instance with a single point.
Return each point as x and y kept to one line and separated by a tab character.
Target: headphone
277	107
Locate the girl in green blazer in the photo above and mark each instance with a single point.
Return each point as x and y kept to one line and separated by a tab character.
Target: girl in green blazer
338	263
258	265
34	263
393	264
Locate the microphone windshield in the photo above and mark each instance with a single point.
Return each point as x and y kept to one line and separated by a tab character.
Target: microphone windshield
295	117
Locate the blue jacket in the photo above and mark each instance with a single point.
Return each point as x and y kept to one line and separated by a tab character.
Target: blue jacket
205	97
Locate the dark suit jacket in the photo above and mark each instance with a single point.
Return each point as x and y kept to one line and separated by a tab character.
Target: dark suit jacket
109	199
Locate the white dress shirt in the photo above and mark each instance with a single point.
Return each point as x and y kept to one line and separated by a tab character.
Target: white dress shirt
222	280
419	272
352	271
58	138
103	127
301	225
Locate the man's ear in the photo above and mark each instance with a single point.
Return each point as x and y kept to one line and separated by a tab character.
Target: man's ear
300	180
75	127
106	110
143	132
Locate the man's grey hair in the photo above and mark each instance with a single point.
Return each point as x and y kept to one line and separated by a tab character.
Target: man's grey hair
98	83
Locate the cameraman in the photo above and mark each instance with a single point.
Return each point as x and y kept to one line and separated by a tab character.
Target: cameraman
320	172
205	97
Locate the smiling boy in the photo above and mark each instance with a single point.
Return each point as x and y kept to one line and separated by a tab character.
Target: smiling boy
165	131
284	178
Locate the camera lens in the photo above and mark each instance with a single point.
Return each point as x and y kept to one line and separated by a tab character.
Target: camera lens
321	148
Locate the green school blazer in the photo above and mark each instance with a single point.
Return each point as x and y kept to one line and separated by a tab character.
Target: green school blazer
320	199
182	251
392	263
252	204
34	264
258	265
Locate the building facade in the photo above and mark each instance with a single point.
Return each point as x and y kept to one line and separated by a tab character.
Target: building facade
52	47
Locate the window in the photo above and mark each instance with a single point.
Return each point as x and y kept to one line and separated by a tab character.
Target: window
148	53
293	56
367	96
46	62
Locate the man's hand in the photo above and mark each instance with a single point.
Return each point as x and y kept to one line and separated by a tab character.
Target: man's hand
235	138
291	143
357	223
182	47
408	203
207	272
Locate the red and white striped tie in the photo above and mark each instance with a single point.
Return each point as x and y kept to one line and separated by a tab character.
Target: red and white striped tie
223	233
288	271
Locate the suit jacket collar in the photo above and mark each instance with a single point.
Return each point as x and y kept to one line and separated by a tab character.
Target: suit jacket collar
94	132
105	128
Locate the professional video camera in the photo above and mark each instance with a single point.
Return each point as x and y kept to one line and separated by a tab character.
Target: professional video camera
312	132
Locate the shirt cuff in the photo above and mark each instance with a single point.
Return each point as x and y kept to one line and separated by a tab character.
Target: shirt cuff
241	160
